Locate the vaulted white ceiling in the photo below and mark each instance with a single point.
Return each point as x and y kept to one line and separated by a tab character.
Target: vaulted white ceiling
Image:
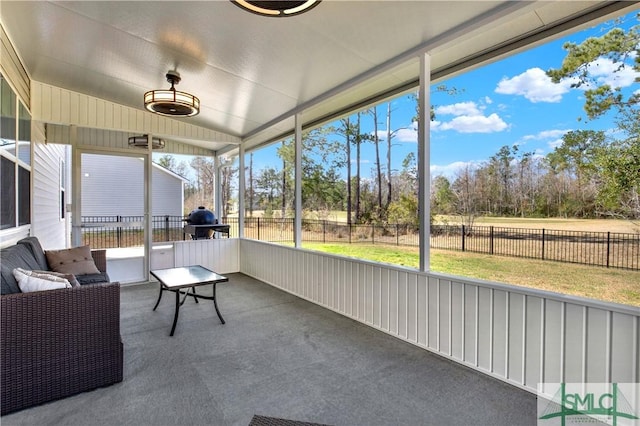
252	73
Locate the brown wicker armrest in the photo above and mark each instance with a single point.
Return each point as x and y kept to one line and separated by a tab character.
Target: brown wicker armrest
100	259
59	343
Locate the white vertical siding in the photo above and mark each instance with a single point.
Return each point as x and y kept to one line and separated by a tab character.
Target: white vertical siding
56	105
220	255
114	140
12	69
47	224
522	336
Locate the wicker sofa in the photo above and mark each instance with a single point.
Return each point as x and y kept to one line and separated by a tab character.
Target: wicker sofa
56	343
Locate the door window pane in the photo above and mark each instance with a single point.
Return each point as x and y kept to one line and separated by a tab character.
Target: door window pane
24	196
7	193
24	135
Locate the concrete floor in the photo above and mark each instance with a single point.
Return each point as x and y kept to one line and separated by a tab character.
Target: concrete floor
277	356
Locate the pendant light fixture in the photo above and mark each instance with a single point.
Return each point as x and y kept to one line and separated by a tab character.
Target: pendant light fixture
172	102
277	8
143	142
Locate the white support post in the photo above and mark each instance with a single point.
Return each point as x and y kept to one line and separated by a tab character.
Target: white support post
424	158
76	188
241	191
217	190
297	232
148	206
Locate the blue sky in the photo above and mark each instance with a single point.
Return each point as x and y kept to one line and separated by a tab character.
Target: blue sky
510	101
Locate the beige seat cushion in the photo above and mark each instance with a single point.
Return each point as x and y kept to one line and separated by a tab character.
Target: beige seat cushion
76	261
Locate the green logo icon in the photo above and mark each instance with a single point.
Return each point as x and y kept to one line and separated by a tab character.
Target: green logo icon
580	403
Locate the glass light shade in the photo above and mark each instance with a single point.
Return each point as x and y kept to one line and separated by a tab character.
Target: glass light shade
172	103
277	7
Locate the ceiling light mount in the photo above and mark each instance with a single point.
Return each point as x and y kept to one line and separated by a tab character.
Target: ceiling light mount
172	102
143	142
276	8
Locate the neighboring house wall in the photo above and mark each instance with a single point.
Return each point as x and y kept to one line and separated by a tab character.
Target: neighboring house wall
114	186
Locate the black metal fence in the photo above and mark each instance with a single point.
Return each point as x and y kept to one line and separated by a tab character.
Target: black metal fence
608	249
128	231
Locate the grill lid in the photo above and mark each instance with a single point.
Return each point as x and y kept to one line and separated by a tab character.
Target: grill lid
201	216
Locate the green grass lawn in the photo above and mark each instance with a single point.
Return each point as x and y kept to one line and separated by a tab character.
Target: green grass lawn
613	285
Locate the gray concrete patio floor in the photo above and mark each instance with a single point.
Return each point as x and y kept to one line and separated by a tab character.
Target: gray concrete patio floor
277	356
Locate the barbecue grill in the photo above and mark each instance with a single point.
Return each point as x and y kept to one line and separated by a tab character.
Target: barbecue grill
202	223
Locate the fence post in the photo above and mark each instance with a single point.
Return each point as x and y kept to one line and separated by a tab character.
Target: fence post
397	235
608	247
119	231
324	231
373	233
166	228
258	229
542	243
462	237
491	238
349	232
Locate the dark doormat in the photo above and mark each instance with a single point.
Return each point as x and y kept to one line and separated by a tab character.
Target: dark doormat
274	421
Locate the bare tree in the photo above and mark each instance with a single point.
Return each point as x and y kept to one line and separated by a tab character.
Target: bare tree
466	196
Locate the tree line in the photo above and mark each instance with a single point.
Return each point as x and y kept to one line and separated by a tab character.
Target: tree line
584	177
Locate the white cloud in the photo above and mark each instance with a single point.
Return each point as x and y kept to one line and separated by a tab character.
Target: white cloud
546	134
407	135
451	170
461	108
605	71
474	124
382	135
469	118
488	100
534	85
553	137
555	143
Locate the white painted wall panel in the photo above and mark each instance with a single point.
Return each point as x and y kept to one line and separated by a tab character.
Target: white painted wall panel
470	318
500	332
422	306
394	304
444	316
403	310
624	348
47	224
518	335
433	297
485	328
534	344
554	341
597	344
12	69
60	106
575	341
220	255
457	320
412	307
